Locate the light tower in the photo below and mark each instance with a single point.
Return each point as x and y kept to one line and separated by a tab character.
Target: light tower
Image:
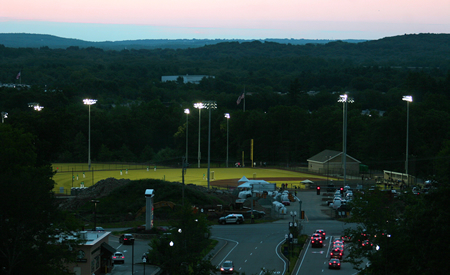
89	102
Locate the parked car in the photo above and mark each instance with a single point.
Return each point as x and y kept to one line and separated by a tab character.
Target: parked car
347	238
232	218
126	239
334	264
227	267
98	228
118	257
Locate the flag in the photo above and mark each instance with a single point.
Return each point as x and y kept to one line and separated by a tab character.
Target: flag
18	76
241	97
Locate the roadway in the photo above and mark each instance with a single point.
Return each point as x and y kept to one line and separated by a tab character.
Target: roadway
255	247
132	252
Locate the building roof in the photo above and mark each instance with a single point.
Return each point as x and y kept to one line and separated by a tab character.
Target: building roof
109	248
92	237
328	155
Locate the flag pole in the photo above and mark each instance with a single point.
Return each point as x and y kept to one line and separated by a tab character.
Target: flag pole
244	98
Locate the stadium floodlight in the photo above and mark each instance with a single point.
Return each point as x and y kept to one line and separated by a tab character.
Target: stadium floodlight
89	102
187	112
4	115
345	100
209	105
408	99
199	106
227	116
35	106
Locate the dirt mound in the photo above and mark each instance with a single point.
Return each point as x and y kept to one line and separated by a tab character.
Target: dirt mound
101	189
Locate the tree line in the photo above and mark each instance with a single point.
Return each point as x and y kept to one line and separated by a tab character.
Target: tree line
291	108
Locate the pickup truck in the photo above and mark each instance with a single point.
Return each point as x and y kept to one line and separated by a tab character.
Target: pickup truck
232	218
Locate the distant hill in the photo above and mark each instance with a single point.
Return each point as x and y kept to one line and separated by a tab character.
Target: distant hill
27	40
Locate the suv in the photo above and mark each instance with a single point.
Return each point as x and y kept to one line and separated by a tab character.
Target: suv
126	239
232	218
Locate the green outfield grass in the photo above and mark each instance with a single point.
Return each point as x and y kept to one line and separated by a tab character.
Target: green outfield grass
66	178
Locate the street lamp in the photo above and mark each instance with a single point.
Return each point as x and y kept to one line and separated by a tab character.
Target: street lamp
209	105
293	215
345	100
227	116
4	115
186	111
89	102
95	213
408	99
199	106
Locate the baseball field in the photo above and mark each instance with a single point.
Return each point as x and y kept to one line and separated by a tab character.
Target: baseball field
76	175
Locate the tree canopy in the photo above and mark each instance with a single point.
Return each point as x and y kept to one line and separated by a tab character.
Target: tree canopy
403	231
36	236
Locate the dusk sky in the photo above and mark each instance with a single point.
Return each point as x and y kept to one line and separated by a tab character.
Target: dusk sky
115	20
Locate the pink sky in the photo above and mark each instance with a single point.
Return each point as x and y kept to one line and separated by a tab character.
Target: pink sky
97	20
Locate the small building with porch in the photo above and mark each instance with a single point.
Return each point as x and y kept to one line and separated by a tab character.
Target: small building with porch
330	162
94	254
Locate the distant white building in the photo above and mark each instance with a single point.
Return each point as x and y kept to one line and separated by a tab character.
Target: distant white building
195	79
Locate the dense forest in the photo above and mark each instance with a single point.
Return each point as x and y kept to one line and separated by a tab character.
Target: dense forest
291	102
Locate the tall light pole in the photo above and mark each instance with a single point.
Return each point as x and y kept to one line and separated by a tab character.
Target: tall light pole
345	100
209	105
95	213
227	116
408	99
4	115
199	106
186	111
89	102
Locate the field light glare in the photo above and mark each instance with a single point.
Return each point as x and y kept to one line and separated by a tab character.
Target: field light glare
88	101
407	98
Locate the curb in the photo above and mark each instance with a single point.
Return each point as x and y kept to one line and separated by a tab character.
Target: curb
212	254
